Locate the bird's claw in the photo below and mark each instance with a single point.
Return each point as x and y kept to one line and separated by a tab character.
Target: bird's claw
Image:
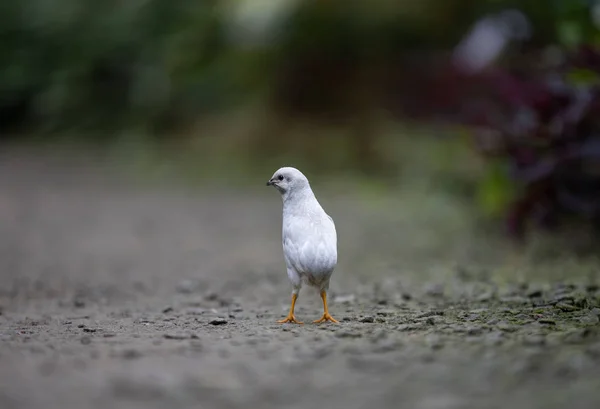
291	319
326	317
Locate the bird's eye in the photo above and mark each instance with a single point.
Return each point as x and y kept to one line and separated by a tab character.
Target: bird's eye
280	177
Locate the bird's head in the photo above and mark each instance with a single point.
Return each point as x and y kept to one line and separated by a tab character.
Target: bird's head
288	180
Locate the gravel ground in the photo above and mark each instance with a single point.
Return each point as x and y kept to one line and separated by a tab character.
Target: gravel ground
115	295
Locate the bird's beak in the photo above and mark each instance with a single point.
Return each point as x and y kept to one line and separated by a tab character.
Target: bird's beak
270	182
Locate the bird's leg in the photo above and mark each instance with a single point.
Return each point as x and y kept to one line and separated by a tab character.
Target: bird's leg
291	317
326	316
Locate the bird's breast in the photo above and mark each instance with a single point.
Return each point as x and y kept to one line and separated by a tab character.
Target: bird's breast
310	248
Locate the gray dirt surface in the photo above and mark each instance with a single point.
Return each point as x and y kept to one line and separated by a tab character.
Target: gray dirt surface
115	295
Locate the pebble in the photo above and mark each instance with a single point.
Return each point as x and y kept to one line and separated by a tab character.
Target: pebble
564	297
566	307
589	319
515	300
410	327
595	311
86	340
367	319
218	321
434	290
534	293
185	287
178	336
506	327
131	354
78	303
547	321
429	314
474	330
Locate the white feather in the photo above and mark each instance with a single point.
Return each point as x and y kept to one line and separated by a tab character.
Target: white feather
309	236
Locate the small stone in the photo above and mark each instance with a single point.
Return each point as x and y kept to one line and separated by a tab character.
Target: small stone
410	327
185	287
567	298
218	321
78	303
506	327
90	330
385	313
474	330
167	310
429	314
109	335
86	340
485	297
534	293
547	321
195	311
367	319
177	336
595	311
515	300
589	319
434	290
581	301
131	354
566	307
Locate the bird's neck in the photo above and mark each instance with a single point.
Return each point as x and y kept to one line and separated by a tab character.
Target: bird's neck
297	199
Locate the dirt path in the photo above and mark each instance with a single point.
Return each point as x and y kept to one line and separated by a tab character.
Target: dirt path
114	295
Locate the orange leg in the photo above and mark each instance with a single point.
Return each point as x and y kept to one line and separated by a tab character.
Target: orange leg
326	316
291	317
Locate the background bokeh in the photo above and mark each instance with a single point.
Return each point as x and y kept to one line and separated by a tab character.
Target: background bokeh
492	102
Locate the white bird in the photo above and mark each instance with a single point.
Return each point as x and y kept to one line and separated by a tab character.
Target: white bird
309	238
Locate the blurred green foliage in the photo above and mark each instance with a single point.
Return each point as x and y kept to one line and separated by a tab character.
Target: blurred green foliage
104	66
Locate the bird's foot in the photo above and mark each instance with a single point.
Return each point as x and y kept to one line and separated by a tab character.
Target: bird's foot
290	318
326	317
